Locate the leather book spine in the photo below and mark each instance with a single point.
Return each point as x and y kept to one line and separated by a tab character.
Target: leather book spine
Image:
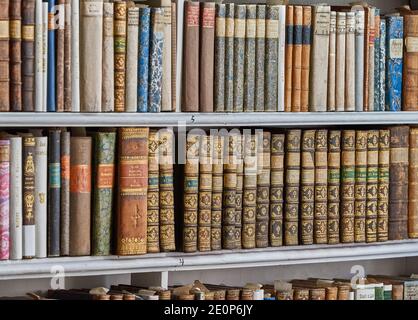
51	60
276	189
292	187
360	204
5	198
207	60
166	185
306	58
119	24
143	58
413	183
4	56
54	192
219	72
217	193
229	193
250	191
65	194
321	187
44	56
15	30
398	188
239	194
191	56
153	194
410	76
372	34
75	56
350	63
289	58
104	174
367	35
297	58
132	191
372	185
191	194
108	68
59	54
332	61
359	69
205	194
260	45
272	56
229	57
80	196
174	55
319	58
383	193
382	65
334	180
281	69
376	61
249	64
131	98
67	58
348	162
16	199
307	188
28	197
28	55
41	189
239	57
340	80
166	93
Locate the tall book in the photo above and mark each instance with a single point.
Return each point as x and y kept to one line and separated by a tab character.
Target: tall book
174	55
319	56
306	55
272	56
372	29
372	185
360	204
15	199
219	71
229	56
321	187
64	233
45	55
281	69
359	69
67	57
104	177
59	54
382	66
350	63
398	188
332	61
131	218
28	55
348	161
217	194
41	191
119	32
334	179
153	194
143	58
297	58
276	189
132	32
15	26
249	63
80	194
260	45
166	92
292	172
367	39
5	199
190	83
229	193
377	61
91	49
207	47
75	56
289	58
4	56
239	193
191	193
410	76
394	64
54	192
340	80
108	79
307	188
383	193
413	183
249	198
239	57
38	57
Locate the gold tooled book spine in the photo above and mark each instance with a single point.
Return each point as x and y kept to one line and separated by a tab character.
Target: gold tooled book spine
334	179
250	192
321	187
238	195
383	196
361	187
413	184
372	185
217	189
120	54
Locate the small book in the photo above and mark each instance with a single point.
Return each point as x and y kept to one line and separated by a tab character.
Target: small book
219	71
153	194
383	193
249	63
348	162
5	198
260	43
15	17
321	187
289	58
239	57
332	61
65	194
306	54
217	194
297	58
119	25
334	180
372	185
413	183
143	58
360	204
41	191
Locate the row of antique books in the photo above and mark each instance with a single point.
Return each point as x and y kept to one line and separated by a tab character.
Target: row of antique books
88	55
298	58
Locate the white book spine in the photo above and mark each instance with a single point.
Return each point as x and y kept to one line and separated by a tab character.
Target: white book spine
132	60
38	55
29	233
16	217
41	165
340	62
281	66
331	61
75	55
108	85
166	86
180	23
44	55
360	60
350	69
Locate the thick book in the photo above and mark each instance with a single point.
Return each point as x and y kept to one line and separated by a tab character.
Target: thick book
16	199
348	162
5	198
306	55
289	58
219	57
4	56
249	198
292	183
132	31
260	44
190	83
143	58
44	56
413	183
65	193
239	57
108	63
334	180
321	187
372	185
350	63
229	193
340	80
67	57
410	75
59	54
307	187
272	56
297	58
398	188
41	195
119	33
229	57
360	204
249	63
217	195
75	56
28	55
332	61
38	56
131	218
281	68
153	195
166	85
359	69
104	177
15	26
383	192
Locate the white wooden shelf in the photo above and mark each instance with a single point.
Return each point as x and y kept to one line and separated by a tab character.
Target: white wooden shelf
87	266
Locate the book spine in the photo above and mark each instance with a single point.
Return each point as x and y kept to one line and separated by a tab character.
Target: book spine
292	167
319	56
51	81
156	63
229	193
41	189
67	58
340	79
219	84
289	58
249	64
307	188
413	182
372	35
16	198
398	189
394	64
348	162
332	61
75	56
376	61
260	45
382	65
229	56
297	59
132	191
5	198
28	55
372	185
38	58
334	180
15	31
410	78
108	77
239	194
207	49
4	56
276	189
217	195
321	187
44	56
174	56
143	58
65	194
59	54
306	56
281	69
28	198
359	60
250	192
350	63
54	192
383	194
153	195
104	171
131	97
239	57
272	56
166	61
360	204
191	56
119	24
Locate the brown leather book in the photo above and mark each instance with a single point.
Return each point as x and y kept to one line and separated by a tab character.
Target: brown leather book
334	180
4	56
289	58
250	191
398	189
15	55
360	187
348	161
28	186
131	219
239	194
67	57
191	57
229	193
297	58
28	55
80	195
59	43
383	196
306	57
410	70
217	193
413	184
321	187
153	194
65	194
372	184
369	40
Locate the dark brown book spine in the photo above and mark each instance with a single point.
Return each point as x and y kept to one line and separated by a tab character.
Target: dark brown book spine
398	189
59	42
153	195
334	180
360	187
28	187
372	185
28	55
67	57
239	194
321	187
65	194
15	55
413	184
250	191
217	192
4	56
383	196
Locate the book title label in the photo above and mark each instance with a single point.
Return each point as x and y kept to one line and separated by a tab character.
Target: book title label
322	24
411	44
220	27
396	48
208	20
193	15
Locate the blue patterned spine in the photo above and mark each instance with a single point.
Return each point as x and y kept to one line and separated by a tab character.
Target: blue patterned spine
377	83
51	106
229	57
382	65
249	82
156	57
143	58
260	35
219	85
272	47
239	57
394	63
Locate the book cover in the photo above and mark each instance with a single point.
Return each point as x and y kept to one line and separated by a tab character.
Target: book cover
119	33
249	63
410	76
372	185
332	61
383	192
350	63
334	180
5	199
108	67
41	189
54	192
15	199
59	54
153	194
166	92
340	80
75	56
67	57
65	193
229	56
4	55
348	162
239	57
413	182
289	58
28	55
217	194
143	58
359	69
38	57
229	193
15	31
260	45
306	57
382	66
321	187
360	204
272	56
297	58
219	71
132	31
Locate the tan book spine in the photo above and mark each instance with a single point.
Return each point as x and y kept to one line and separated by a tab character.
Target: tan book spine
174	55
120	26
410	76
350	63
413	184
239	193
217	192
334	180
360	187
321	187
153	194
367	40
306	58
370	58
372	185
250	192
297	59
340	62
289	58
59	54
4	55
383	196
332	61
108	85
